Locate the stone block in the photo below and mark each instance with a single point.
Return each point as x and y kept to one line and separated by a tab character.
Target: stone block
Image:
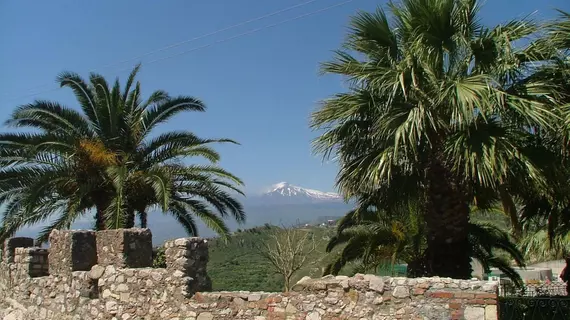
11	244
474	313
401	292
72	250
125	248
32	262
189	258
491	313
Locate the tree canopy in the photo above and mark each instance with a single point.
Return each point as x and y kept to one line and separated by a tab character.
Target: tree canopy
443	111
104	157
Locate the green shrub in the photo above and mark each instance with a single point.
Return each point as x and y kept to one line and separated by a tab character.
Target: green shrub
158	258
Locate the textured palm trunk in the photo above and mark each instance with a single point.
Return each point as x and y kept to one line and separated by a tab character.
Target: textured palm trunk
130	219
447	220
101	205
100	219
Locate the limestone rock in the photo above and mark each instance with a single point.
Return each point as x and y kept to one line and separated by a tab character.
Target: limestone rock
401	292
290	309
122	287
474	313
96	272
491	312
205	316
111	306
15	315
375	283
254	297
313	316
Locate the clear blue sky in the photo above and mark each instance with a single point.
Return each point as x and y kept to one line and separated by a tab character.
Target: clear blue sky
259	89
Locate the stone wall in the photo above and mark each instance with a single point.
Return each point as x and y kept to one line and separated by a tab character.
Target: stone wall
71	251
33	262
177	292
11	244
125	249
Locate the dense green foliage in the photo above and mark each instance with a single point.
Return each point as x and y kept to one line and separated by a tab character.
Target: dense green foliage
371	236
158	257
448	113
105	157
237	265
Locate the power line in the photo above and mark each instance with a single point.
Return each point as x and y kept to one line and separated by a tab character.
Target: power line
185	41
215	32
218	42
247	33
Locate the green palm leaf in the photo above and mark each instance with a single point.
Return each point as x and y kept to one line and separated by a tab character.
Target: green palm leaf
103	158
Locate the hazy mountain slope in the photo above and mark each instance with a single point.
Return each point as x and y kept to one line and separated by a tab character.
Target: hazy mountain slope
282	204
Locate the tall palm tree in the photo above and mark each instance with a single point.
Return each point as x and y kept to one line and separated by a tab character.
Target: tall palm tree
371	236
104	157
435	105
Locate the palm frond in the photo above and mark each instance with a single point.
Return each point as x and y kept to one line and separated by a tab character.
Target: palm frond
163	111
211	220
50	117
83	93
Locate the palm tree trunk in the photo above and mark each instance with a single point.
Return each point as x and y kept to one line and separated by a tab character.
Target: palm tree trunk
510	209
101	204
447	221
130	219
143	219
100	218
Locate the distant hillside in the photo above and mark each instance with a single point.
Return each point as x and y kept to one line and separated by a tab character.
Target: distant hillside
237	265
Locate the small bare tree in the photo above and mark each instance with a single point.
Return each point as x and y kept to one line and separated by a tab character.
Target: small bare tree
288	250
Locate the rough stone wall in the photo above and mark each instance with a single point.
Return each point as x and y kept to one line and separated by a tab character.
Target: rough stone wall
32	261
109	292
11	244
131	248
71	251
189	257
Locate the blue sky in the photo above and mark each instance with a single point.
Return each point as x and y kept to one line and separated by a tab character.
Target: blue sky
260	89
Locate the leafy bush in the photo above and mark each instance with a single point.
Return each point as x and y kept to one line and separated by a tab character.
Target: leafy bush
158	258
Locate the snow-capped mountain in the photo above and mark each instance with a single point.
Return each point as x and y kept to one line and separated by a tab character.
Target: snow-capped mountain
284	192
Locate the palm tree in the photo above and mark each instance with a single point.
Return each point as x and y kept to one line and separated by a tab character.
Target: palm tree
105	158
545	212
435	111
371	236
538	246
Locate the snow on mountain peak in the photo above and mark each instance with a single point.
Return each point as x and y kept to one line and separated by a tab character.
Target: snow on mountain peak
280	185
287	190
